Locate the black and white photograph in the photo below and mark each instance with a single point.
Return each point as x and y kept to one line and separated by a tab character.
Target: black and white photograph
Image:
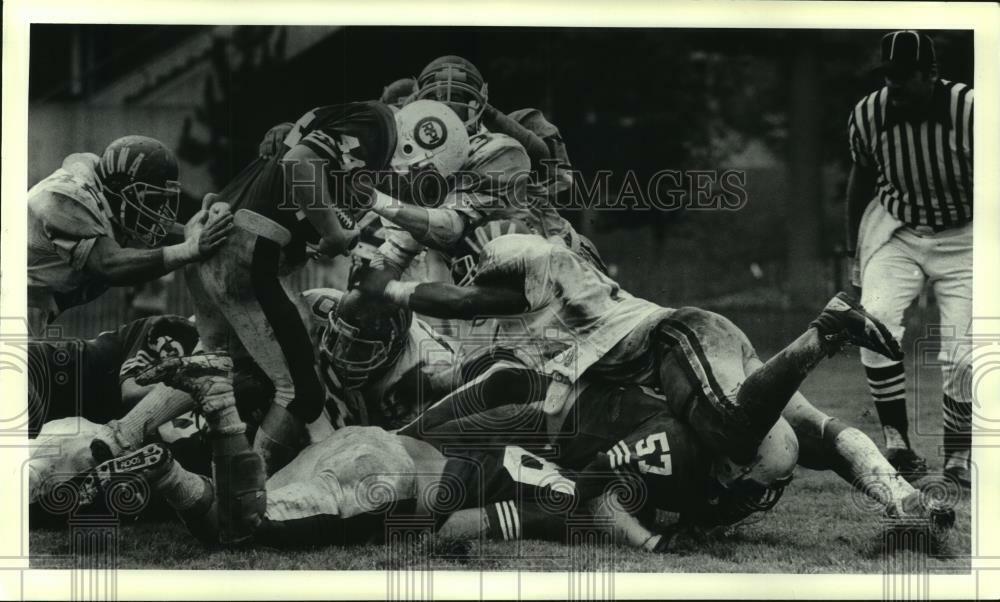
438	300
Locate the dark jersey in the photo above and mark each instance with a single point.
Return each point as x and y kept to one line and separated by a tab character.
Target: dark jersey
78	377
349	137
615	435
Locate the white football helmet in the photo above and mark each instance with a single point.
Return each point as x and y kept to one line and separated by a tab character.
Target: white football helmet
773	464
747	489
429	135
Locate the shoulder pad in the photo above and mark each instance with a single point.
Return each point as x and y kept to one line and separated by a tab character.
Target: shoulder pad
66	217
493	152
535	121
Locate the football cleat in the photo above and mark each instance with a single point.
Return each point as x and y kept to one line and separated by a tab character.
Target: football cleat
132	472
206	377
919	507
844	320
910	465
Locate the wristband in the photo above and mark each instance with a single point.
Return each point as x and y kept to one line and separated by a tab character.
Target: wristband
383	203
399	292
179	255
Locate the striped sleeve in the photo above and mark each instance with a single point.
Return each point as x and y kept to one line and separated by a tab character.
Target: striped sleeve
860	153
322	144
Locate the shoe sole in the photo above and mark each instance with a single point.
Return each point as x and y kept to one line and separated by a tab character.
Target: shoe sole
123	469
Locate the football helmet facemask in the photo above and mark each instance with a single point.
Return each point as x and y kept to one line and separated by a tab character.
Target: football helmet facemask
362	339
457	83
465	253
138	176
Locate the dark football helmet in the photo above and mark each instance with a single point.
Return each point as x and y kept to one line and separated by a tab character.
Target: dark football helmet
172	336
363	338
457	83
465	253
138	177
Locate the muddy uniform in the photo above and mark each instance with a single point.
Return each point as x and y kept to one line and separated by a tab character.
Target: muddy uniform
243	289
67	213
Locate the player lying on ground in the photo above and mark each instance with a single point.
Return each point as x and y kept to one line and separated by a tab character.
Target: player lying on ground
343	489
100	389
389	366
83	219
243	304
704	365
581	322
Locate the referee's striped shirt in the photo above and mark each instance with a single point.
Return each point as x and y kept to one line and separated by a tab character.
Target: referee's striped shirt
923	168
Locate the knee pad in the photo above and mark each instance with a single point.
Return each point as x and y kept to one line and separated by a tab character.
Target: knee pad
240	495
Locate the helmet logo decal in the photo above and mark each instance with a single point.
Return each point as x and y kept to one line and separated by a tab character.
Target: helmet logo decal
430	133
135	165
123	159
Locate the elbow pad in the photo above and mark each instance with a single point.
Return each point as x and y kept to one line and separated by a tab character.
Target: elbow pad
398	250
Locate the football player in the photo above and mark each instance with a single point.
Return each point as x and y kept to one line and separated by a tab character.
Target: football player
496	180
302	196
619	455
677	485
581	322
89	377
84	219
380	366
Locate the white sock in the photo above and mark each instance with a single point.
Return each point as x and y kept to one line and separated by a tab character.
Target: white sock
181	488
872	472
161	404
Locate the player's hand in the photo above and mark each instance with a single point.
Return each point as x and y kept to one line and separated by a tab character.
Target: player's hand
274	140
208	229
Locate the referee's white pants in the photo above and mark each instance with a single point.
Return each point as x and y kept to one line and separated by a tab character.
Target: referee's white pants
896	274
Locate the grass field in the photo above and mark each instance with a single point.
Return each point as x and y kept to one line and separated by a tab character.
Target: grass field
817	527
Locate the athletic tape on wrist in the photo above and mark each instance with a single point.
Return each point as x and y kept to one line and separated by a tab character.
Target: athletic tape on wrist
399	292
382	203
179	255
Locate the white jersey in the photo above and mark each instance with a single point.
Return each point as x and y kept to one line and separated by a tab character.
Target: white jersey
66	215
578	318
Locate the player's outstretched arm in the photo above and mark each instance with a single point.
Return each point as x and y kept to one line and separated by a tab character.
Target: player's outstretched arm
447	301
436	227
119	265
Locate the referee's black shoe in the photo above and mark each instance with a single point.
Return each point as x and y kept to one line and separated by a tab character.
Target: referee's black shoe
843	320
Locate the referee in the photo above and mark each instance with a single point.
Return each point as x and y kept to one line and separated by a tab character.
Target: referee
909	224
